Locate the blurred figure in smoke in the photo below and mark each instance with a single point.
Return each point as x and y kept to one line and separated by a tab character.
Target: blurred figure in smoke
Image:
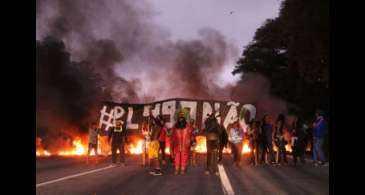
117	137
212	133
298	141
146	141
235	137
93	141
253	135
267	131
279	139
162	139
181	140
223	142
195	132
319	132
154	147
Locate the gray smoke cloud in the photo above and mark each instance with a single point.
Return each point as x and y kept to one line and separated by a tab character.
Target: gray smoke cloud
135	59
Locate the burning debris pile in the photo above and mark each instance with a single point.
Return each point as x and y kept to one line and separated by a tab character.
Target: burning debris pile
135	147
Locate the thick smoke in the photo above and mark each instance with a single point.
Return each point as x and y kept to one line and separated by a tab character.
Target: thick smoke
131	58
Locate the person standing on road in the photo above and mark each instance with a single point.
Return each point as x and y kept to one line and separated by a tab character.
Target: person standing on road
223	142
162	140
267	129
212	131
146	132
94	131
298	141
195	132
279	139
154	147
253	135
319	132
181	140
117	137
235	137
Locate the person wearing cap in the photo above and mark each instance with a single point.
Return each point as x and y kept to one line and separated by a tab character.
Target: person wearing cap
117	137
180	142
319	132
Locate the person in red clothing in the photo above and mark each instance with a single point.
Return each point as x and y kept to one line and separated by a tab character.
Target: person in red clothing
181	139
162	140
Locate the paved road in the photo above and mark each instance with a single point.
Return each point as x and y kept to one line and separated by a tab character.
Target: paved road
134	179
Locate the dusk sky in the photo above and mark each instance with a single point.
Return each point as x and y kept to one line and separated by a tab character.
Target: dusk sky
235	19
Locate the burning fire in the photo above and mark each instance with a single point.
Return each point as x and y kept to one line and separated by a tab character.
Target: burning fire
79	148
136	148
201	146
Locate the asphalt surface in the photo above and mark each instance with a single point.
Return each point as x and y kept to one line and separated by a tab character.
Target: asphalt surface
134	179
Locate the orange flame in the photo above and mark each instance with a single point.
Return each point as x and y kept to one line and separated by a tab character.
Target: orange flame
136	148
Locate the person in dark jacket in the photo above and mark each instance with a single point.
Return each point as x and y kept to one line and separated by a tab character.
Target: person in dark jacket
117	137
319	132
223	142
212	132
279	139
298	141
267	130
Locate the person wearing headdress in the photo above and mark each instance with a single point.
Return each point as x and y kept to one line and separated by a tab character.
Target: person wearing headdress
181	140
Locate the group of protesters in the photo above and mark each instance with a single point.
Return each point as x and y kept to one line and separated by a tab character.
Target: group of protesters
267	141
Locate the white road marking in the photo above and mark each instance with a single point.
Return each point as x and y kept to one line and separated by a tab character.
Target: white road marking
72	176
226	184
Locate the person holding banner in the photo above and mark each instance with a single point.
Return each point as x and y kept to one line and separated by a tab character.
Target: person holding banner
154	147
162	139
117	137
146	141
212	132
181	140
235	137
93	141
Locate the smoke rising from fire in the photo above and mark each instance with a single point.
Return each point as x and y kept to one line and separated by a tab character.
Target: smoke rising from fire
113	50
